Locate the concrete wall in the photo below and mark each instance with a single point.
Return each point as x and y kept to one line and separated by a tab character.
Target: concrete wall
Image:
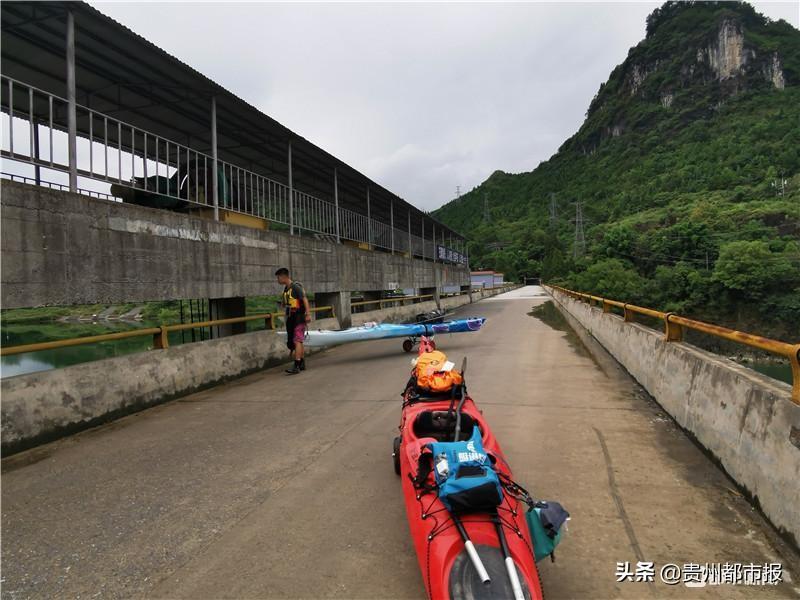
39	407
744	419
60	248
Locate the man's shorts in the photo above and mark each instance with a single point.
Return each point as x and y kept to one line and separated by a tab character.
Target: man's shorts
299	333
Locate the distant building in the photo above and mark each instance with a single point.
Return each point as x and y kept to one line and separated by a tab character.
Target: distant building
486	279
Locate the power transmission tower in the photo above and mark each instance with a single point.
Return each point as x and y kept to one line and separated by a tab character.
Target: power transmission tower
580	238
553	211
458	192
486	216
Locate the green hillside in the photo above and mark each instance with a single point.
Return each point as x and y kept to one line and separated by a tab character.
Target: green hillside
679	171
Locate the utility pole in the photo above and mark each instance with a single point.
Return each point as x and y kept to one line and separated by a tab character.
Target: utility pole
486	216
553	211
580	238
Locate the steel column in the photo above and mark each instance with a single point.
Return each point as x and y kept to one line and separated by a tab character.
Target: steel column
214	158
72	113
391	221
423	237
291	191
369	222
37	170
336	202
410	249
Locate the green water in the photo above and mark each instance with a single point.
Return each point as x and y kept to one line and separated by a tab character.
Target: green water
779	371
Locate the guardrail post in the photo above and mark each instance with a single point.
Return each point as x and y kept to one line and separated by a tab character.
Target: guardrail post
628	314
606	306
160	339
794	360
672	331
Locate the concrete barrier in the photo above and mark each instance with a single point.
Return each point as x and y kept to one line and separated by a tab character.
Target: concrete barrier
746	420
60	248
39	407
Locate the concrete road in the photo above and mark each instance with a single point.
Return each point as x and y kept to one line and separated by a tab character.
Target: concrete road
282	487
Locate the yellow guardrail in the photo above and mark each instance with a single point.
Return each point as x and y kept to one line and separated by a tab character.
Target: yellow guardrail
674	325
160	334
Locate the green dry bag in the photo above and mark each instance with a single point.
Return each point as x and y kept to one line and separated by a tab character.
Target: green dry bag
545	520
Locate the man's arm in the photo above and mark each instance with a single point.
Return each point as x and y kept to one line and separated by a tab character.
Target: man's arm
300	292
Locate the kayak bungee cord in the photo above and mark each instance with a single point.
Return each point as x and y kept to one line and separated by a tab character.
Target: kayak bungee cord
497	520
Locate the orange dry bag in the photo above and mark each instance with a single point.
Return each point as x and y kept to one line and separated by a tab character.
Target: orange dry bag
428	362
430	375
440	381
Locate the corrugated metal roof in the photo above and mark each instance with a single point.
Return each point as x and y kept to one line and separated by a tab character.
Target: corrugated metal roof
120	73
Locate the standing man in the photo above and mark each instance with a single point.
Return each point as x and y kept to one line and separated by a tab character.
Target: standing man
298	313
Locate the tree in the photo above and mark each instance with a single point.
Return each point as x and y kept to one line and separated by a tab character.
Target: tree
611	278
751	270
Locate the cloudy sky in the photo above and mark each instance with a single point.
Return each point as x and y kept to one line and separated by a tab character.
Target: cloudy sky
421	97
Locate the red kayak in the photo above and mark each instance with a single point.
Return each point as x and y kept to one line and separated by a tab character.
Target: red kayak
442	538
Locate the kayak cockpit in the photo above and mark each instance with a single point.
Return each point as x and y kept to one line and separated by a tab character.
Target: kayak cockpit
440	425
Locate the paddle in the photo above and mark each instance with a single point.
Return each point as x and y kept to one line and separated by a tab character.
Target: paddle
471	551
461	401
510	566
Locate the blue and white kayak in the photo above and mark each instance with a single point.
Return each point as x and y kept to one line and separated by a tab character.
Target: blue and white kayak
381	331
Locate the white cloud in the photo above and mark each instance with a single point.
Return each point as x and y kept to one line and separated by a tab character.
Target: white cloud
420	97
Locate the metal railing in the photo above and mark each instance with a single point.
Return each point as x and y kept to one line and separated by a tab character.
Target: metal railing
175	176
674	325
160	339
56	186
